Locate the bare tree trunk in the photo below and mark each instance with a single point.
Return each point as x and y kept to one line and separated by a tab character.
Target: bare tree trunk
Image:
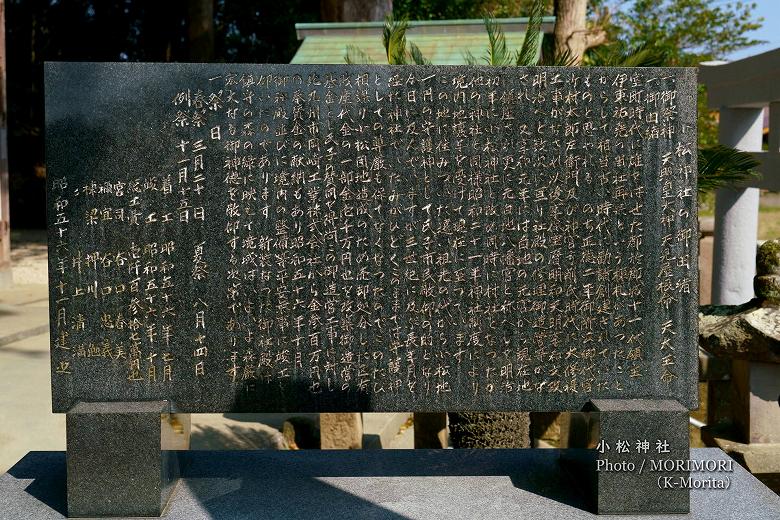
571	31
355	10
158	39
5	222
200	30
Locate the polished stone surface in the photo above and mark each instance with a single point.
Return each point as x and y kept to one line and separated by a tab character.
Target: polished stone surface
371	238
631	434
408	484
115	464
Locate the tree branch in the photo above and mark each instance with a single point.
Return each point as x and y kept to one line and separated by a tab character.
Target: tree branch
595	37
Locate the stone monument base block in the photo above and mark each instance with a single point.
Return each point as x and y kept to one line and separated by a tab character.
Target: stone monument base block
115	462
633	456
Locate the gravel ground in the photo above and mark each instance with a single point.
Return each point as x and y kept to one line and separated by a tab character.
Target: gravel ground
28	256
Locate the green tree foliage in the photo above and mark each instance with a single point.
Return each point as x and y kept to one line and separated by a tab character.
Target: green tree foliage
397	49
454	9
689	31
618	54
527	55
497	52
721	166
260	31
460	9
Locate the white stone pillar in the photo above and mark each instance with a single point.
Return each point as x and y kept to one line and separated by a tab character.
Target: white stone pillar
736	214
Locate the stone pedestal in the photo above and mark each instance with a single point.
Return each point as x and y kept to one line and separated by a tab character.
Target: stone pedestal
756	391
762	460
116	464
746	339
715	376
633	467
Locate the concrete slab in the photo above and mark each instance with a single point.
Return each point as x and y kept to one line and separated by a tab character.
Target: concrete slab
386	484
29	260
22	321
28	294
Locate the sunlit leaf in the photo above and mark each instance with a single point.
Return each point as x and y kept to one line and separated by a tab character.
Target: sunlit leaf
497	53
394	40
416	55
355	56
527	56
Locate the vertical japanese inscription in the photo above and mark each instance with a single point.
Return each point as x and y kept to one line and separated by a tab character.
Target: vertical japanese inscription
387	238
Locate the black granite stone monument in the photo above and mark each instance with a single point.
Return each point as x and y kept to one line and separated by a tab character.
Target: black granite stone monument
236	238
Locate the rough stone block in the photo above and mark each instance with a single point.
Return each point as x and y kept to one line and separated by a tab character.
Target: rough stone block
341	431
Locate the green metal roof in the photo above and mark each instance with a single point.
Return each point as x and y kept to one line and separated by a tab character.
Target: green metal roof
444	42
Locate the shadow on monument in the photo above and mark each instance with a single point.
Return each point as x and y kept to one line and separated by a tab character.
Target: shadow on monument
306	484
269	484
274	484
224	484
294	484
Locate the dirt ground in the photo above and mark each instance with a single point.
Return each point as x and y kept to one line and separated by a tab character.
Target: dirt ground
28	256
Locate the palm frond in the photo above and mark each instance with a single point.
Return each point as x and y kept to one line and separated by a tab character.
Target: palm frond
394	40
355	56
619	55
721	166
416	55
470	58
497	53
528	54
562	59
